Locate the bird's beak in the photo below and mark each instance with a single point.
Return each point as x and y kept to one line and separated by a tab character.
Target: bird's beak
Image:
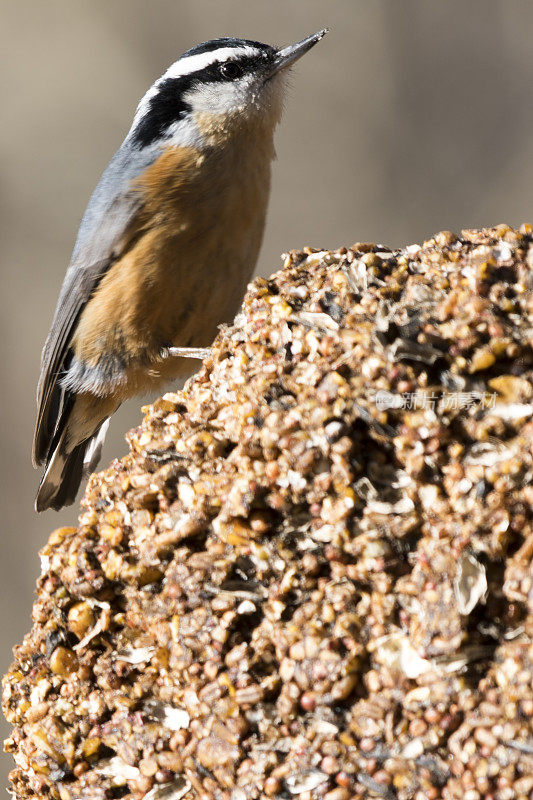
288	55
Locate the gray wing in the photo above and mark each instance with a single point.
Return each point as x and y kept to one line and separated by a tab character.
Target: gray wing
112	209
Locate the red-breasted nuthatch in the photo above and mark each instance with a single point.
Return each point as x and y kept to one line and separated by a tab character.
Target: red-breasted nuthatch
167	244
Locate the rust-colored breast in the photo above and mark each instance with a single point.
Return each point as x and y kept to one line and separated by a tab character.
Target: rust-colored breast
190	252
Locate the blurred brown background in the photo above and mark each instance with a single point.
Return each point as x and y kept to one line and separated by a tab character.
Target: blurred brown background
410	117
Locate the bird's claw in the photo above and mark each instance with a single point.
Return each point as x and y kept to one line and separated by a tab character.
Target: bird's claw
188	352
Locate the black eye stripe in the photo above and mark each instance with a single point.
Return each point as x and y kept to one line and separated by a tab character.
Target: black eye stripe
214	72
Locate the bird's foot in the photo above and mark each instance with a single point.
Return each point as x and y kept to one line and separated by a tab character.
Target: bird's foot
188	352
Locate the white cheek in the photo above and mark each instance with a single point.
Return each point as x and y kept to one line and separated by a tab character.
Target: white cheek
220	98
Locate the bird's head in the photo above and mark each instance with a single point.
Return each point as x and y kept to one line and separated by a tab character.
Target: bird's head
219	84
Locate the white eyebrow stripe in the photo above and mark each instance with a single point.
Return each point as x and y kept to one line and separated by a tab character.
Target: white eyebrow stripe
194	63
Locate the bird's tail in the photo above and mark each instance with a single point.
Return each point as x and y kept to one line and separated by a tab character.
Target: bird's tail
66	469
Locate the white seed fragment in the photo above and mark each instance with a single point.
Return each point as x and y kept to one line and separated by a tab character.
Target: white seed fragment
413	749
403	506
176	719
246	607
510	411
135	655
305	782
117	769
396	652
316	320
470	584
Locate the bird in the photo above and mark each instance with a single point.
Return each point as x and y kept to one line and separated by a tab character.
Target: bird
169	240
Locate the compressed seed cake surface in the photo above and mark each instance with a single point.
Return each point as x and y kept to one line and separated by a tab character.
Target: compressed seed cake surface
312	574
